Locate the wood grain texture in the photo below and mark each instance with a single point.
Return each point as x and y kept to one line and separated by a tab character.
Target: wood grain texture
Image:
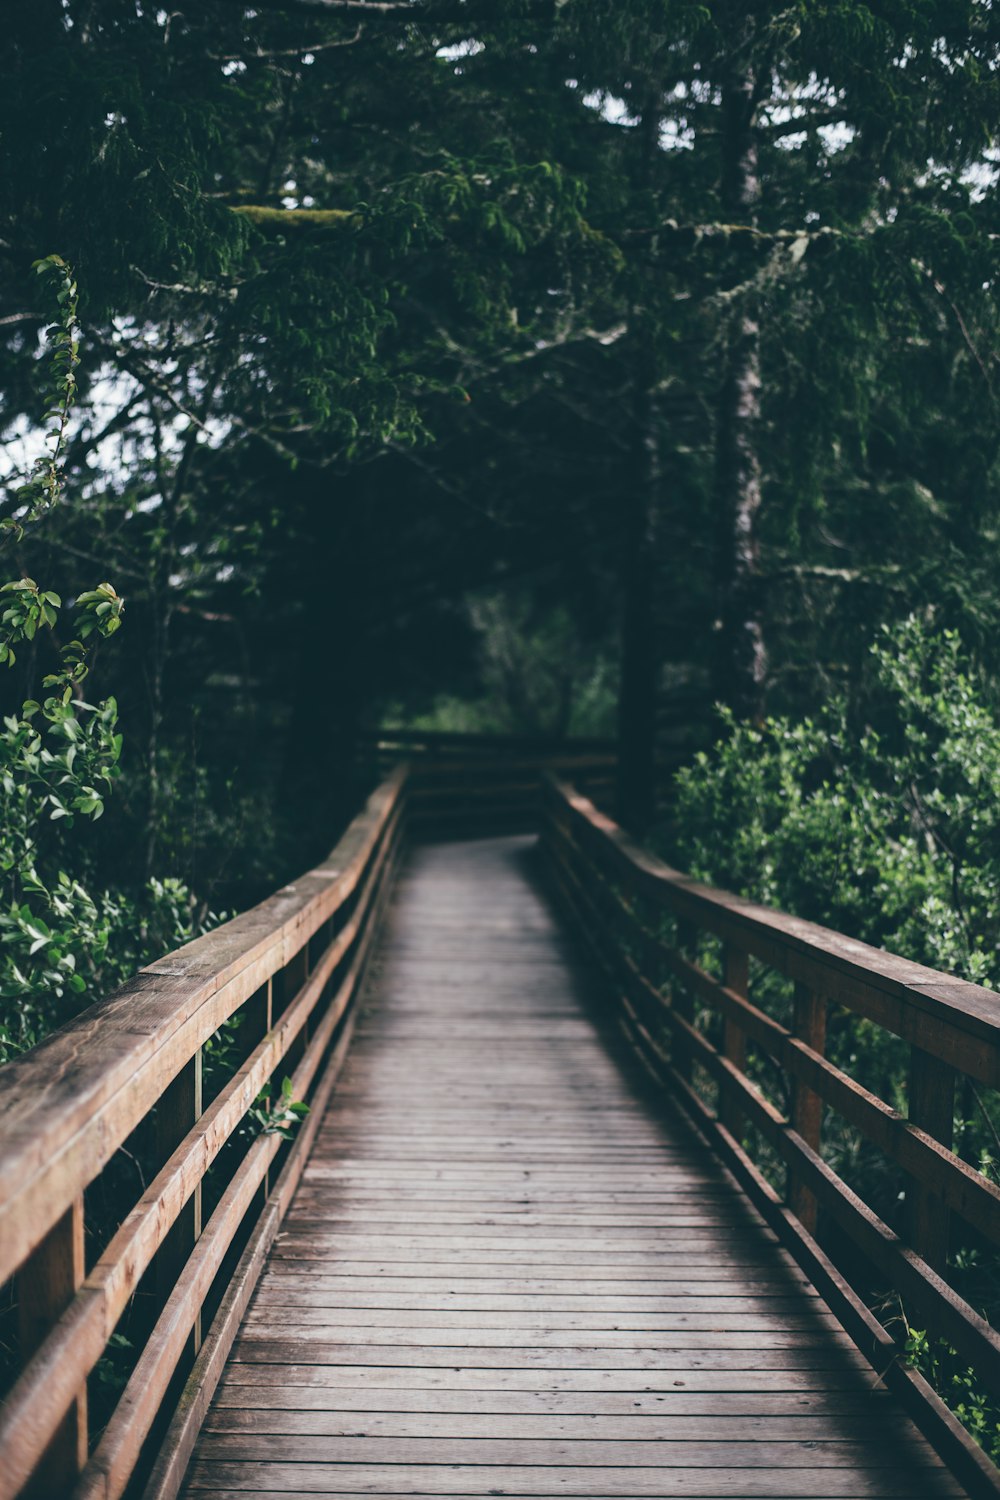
504	1273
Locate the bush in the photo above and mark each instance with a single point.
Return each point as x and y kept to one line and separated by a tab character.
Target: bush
884	824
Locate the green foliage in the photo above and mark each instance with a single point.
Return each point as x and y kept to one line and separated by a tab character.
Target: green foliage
941	1365
280	1115
42	488
884	827
63	941
878	820
537	669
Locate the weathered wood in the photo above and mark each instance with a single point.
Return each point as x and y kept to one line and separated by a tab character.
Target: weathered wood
299	1408
45	1387
46	1285
736	979
682	999
598	865
68	1105
338	1020
807	1105
932	1108
177	1114
160	1024
230	1479
495	1234
950	1018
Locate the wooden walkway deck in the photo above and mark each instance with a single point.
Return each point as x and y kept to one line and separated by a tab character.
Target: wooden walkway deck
505	1274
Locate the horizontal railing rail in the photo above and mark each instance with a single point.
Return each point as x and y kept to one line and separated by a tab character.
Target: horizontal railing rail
463	743
482	783
289	970
645	923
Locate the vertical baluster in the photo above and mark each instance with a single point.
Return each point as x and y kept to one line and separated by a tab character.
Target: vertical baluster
290	980
256	1023
736	977
809	1026
932	1107
682	999
47	1283
177	1112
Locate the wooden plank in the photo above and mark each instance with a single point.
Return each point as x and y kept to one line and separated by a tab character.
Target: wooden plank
690	1354
436	1322
46	1286
583	1430
791	1378
257	1407
856	1483
807	1105
487	1451
412	1293
932	1108
177	1114
441	1280
503	1273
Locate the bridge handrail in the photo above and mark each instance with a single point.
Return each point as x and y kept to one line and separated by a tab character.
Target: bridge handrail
291	966
622	896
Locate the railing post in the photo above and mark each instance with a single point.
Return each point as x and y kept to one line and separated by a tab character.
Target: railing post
47	1283
177	1112
809	1026
256	1023
735	977
682	999
932	1108
290	980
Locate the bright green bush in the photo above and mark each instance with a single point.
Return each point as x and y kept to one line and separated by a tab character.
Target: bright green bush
881	820
64	939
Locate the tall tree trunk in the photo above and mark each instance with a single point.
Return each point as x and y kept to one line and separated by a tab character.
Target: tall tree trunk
741	659
640	653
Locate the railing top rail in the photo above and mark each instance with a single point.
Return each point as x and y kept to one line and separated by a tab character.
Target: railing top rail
68	1105
946	1016
491	743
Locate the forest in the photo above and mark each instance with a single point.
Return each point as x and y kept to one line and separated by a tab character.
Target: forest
549	368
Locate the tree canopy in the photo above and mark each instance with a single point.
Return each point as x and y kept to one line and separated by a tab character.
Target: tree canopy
673	321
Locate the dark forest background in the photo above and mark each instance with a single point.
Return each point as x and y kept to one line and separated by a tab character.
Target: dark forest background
543	367
555	368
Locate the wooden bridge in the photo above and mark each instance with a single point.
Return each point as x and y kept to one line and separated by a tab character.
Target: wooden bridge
557	1223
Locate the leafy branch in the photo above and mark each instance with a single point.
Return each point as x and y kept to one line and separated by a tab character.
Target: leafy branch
280	1116
44	486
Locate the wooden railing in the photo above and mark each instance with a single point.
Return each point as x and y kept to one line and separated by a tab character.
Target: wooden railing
130	1068
700	1034
484	783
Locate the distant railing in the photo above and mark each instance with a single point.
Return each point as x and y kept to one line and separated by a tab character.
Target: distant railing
646	923
132	1066
483	783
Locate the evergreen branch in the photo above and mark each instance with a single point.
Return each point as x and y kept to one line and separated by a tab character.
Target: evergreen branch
722	230
775	129
149	381
414	8
407	10
265	55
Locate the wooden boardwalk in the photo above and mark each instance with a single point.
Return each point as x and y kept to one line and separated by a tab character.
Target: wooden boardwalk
505	1274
